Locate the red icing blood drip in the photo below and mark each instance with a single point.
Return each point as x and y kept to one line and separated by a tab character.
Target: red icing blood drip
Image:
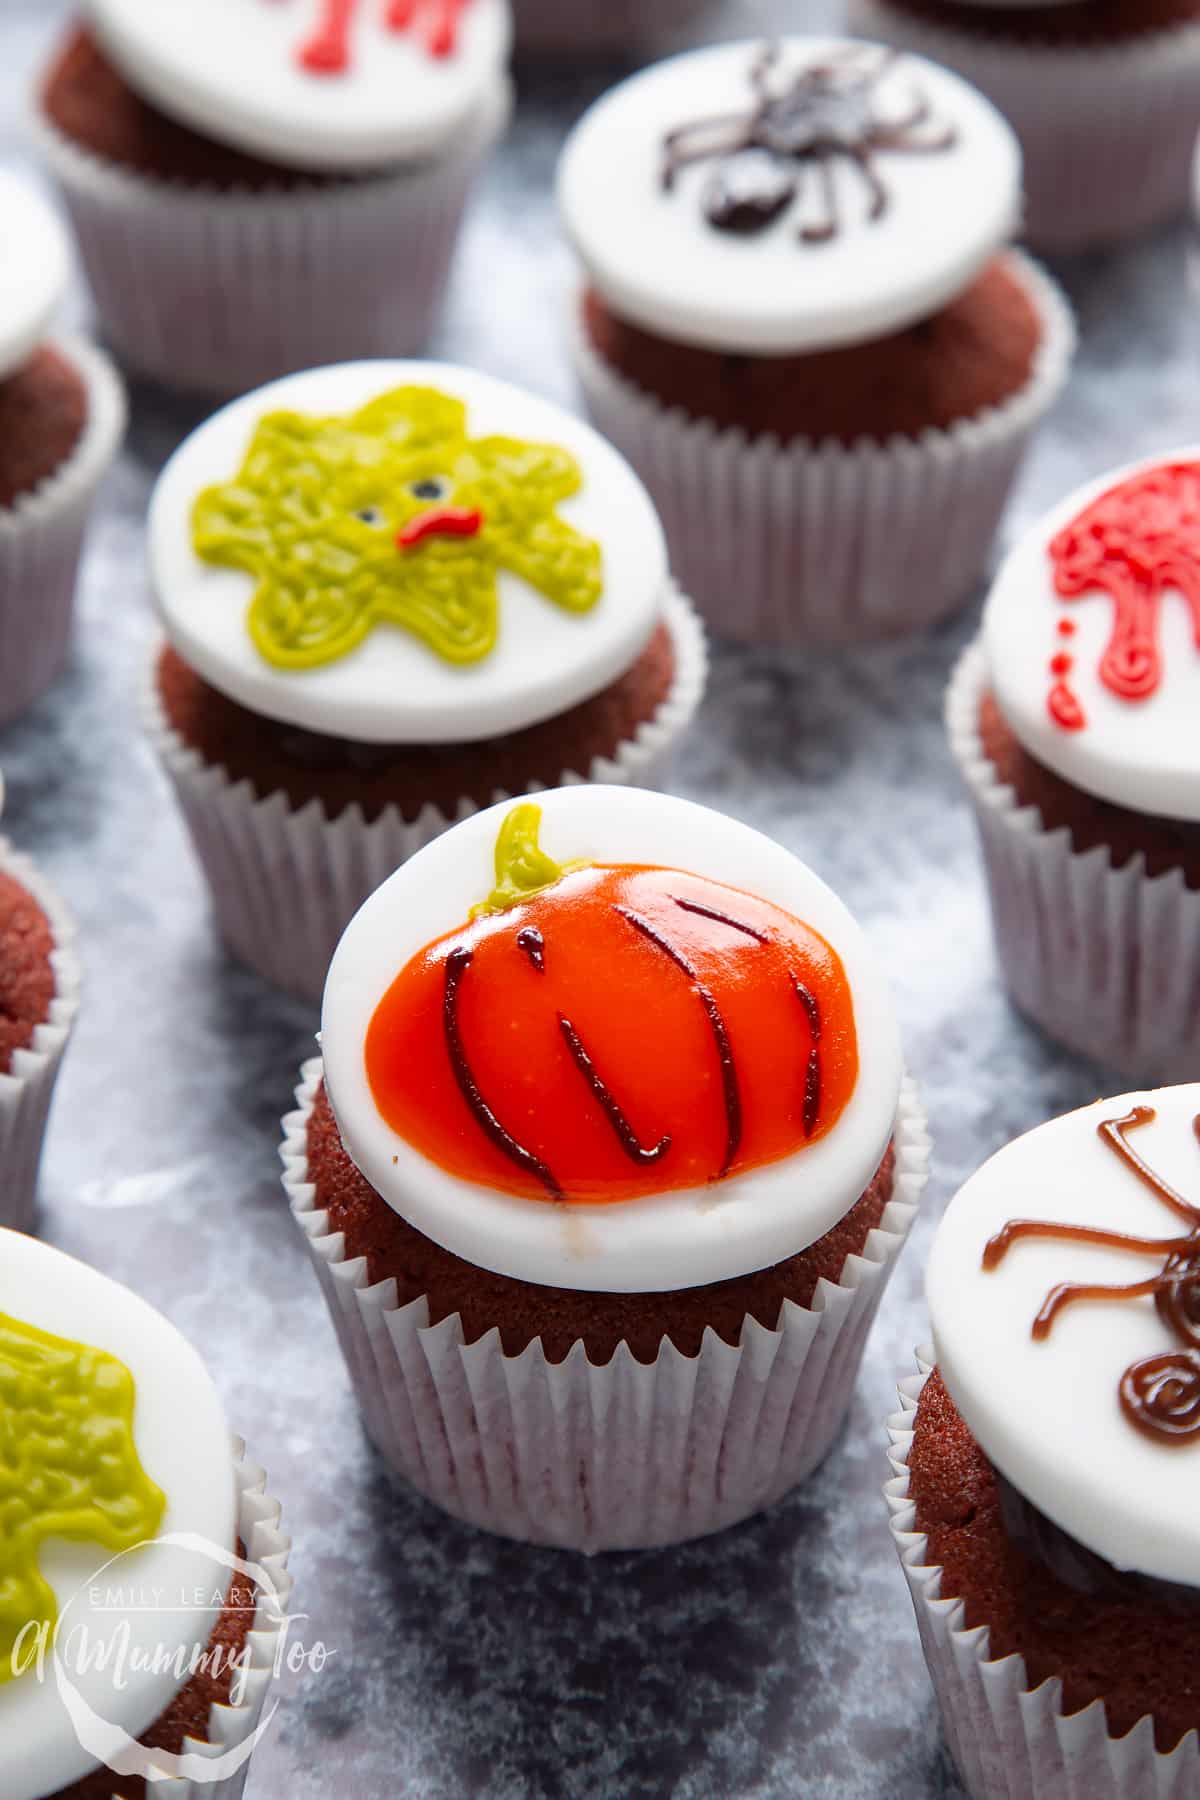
1134	543
327	51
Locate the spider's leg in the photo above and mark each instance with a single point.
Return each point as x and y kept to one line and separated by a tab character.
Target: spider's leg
824	229
860	156
702	140
999	1246
1067	1291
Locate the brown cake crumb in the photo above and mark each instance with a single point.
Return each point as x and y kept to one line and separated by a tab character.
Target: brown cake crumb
309	766
1133	1657
1082	22
1165	843
975	353
27	982
561	1316
43	410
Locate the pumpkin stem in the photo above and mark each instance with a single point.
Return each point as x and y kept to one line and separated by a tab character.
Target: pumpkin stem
522	866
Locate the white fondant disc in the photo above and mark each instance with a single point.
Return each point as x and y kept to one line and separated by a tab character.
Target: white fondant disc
232	69
1143	754
671	1240
184	1447
34	270
656	259
1047	1412
391	688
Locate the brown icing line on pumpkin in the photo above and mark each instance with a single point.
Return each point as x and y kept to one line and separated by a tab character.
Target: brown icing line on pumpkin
721	918
1160	1395
457	964
716	1020
626	1135
531	941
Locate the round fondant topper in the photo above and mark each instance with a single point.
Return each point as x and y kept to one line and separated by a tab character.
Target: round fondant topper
699	1069
404	553
314	84
34	271
1064	1289
791	196
98	1476
1092	635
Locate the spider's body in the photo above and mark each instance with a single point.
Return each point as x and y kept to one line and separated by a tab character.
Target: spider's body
823	114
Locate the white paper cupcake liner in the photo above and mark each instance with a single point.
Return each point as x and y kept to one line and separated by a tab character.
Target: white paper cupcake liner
41	538
613	26
621	1455
287	881
1011	1742
28	1088
818	542
1104	960
1107	130
226	290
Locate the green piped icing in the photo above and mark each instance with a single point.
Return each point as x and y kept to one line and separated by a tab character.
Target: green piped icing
69	1468
316	508
522	867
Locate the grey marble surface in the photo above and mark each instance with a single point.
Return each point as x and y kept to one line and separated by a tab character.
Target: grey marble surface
781	1658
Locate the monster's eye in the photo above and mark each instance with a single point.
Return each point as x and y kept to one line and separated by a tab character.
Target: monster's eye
433	487
371	515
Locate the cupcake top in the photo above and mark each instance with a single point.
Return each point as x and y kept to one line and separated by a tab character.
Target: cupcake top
612	1041
34	271
115	1448
1092	638
404	552
776	198
314	84
1064	1289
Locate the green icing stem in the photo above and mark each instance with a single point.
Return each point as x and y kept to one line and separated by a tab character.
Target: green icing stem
69	1468
317	508
522	866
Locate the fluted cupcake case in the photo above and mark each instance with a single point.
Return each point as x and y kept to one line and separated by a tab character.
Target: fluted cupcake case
1108	130
623	1455
821	543
1011	1742
1104	959
28	1088
41	538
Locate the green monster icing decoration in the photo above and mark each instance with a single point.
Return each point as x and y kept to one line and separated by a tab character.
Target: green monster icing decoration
69	1468
392	515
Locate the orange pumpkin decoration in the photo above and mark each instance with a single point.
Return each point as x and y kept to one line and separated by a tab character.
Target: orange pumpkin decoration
595	1033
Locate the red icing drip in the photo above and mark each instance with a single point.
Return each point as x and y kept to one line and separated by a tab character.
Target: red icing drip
327	51
1065	709
1066	628
1062	664
1135	543
440	521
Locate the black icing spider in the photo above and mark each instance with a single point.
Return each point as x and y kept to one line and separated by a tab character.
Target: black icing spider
817	115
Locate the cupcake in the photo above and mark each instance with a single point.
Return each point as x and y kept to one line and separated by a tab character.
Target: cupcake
144	1575
802	326
286	180
1044	1501
394	593
1073	720
549	27
605	1167
39	996
62	412
1104	96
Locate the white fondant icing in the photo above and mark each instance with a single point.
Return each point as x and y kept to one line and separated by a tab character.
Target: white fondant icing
1143	754
392	688
655	258
184	1446
34	270
1047	1413
671	1240
231	69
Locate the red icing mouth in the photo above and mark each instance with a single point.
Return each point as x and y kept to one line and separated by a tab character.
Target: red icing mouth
327	51
440	521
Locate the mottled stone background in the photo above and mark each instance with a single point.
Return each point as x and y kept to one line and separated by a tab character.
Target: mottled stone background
781	1658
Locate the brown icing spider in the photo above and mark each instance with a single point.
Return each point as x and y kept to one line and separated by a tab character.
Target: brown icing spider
816	116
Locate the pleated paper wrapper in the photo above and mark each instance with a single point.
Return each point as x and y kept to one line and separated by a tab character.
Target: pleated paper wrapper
1107	130
28	1088
622	1455
287	881
1105	960
223	290
41	539
819	542
1011	1742
230	1726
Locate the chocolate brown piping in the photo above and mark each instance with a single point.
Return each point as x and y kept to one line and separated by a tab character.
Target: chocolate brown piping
531	941
626	1135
